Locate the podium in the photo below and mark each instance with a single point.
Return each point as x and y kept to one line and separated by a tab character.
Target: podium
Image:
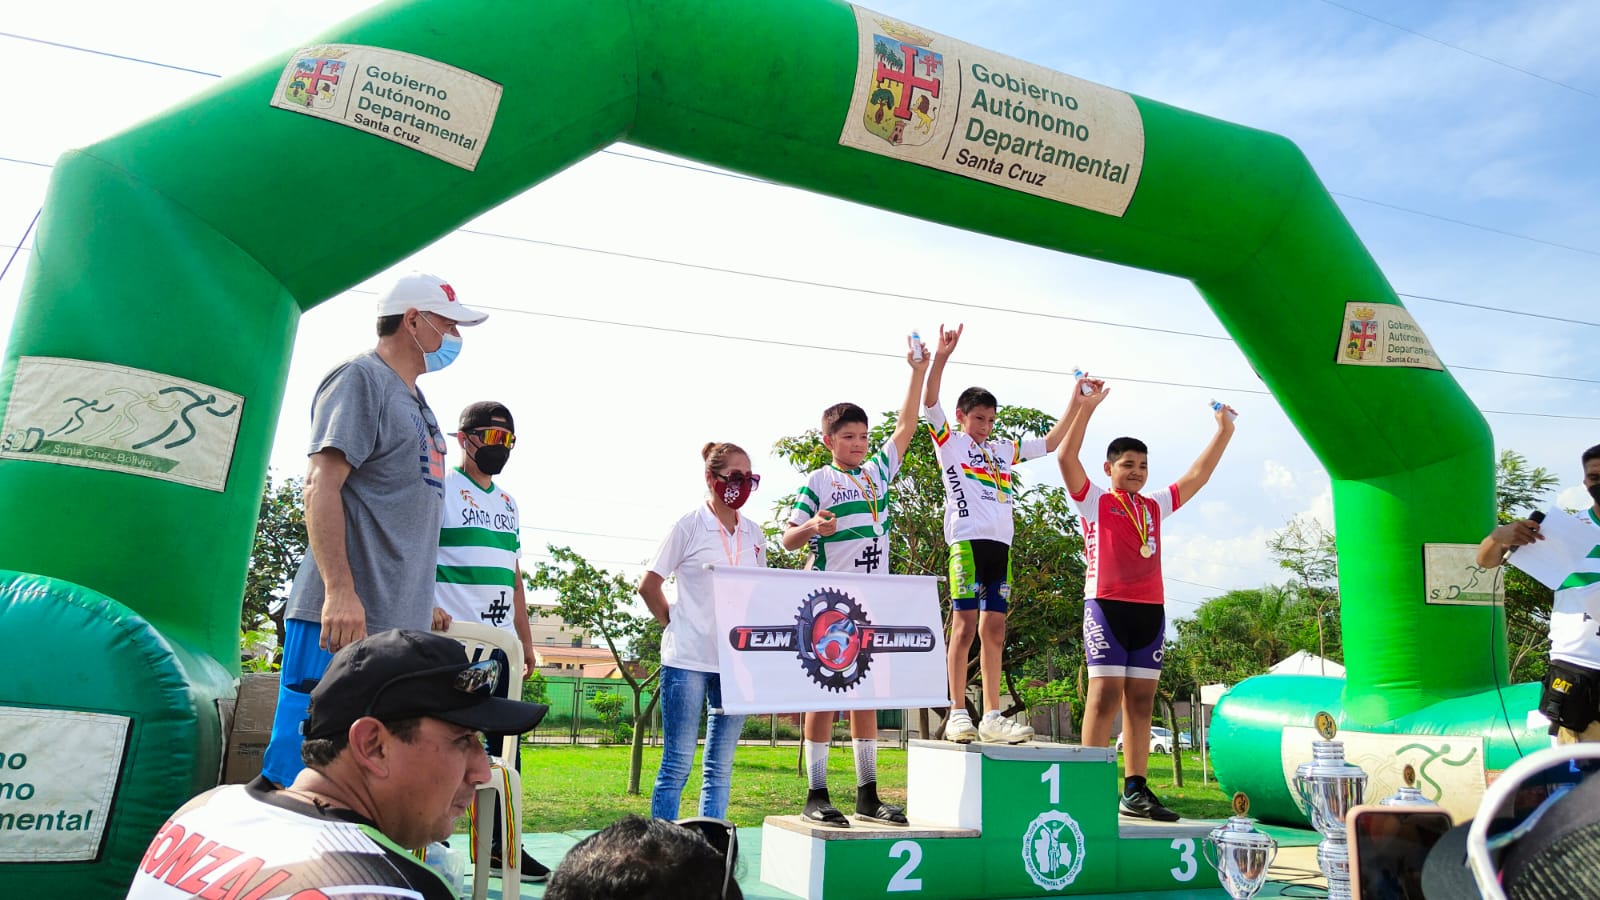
992	820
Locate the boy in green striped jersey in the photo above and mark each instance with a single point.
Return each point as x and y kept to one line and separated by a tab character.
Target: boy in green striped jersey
843	512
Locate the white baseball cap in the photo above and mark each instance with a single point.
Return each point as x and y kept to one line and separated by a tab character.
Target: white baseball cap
428	293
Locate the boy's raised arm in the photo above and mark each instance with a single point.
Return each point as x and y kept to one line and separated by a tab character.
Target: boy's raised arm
1076	420
947	346
910	412
1200	473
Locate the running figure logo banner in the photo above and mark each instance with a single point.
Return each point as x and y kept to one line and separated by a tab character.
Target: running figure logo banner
79	413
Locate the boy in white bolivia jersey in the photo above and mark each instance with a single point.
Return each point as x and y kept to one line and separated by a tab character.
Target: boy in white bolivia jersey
976	473
843	511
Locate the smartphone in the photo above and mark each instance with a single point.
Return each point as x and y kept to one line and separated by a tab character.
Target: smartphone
1388	845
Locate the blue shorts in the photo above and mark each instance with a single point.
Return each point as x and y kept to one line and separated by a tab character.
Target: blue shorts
304	661
1123	639
980	575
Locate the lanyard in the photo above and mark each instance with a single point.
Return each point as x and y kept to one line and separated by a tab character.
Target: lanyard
994	471
1141	524
869	493
735	552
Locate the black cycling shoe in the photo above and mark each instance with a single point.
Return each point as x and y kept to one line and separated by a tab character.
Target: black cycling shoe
1144	804
820	810
529	871
870	809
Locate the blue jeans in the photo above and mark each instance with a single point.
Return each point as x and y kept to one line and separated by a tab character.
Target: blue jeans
684	694
303	660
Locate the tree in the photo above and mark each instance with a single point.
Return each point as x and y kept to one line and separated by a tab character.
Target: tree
275	556
1046	626
1307	549
601	602
1518	491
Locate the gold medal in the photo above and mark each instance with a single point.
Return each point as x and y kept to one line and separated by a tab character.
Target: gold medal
1146	552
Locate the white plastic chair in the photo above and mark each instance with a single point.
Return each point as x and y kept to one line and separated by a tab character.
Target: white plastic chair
479	641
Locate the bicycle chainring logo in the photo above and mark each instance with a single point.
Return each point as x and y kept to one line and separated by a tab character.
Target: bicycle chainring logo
1053	850
833	638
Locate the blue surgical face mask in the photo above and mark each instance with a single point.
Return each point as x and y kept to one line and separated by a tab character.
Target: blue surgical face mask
449	349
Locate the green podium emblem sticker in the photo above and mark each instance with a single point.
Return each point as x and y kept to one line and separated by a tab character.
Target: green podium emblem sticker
1053	850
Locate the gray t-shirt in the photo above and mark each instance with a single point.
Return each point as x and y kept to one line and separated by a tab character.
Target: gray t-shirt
392	499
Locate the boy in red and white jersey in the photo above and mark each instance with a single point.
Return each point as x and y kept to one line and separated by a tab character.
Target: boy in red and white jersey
1124	618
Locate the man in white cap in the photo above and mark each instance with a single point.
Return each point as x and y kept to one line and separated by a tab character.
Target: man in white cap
373	493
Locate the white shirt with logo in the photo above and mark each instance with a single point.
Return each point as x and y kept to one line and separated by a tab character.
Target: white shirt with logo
479	545
698	539
978	489
859	501
1574	634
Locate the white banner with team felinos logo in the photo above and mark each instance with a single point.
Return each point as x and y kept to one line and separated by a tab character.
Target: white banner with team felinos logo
821	641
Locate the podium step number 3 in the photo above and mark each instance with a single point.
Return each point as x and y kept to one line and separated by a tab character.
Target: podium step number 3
1033	820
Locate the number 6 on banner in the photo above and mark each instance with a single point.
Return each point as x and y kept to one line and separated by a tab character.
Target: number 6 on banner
913	853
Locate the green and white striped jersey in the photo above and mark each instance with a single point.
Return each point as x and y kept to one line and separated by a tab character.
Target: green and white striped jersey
859	500
479	546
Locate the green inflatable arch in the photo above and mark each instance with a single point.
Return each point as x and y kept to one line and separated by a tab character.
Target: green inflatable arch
173	262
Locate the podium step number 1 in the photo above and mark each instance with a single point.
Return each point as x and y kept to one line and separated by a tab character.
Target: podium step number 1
992	820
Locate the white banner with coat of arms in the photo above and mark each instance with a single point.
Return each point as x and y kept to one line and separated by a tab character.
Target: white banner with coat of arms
822	641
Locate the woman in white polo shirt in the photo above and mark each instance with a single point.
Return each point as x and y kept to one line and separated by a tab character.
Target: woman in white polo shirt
712	532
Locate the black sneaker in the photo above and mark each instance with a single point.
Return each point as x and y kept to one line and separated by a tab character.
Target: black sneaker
1144	804
531	871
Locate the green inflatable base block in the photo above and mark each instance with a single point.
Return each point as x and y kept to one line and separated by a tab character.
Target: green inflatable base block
75	795
1263	728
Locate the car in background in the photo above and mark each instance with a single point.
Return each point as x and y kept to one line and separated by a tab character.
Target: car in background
1160	740
1184	741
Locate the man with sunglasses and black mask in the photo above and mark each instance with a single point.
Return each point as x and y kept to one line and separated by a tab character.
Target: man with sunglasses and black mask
393	751
479	576
374	487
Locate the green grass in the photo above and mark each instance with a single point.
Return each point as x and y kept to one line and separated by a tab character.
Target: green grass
567	788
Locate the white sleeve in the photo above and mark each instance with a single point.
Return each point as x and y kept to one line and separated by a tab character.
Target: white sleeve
1032	448
671	552
1167	501
937	424
1089	504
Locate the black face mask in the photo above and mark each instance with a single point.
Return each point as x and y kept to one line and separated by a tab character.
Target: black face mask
1594	491
491	459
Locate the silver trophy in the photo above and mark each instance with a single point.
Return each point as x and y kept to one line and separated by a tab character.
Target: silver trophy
1328	787
1408	794
1240	854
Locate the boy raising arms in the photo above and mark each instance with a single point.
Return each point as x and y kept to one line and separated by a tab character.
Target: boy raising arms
976	473
1124	620
843	511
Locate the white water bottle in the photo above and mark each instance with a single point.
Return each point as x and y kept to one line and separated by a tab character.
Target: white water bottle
1216	406
1083	389
916	345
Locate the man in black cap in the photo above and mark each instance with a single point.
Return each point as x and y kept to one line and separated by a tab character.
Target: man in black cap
393	751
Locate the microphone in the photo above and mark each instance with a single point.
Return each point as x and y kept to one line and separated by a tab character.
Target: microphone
1535	517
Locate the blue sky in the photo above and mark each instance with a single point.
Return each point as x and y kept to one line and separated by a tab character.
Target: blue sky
1471	180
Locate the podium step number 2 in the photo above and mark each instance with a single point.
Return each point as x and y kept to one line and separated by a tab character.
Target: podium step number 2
1034	820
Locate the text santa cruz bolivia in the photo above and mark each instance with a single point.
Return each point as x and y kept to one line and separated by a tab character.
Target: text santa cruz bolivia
979	131
420	100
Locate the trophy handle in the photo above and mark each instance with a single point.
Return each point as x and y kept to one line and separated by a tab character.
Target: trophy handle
1208	848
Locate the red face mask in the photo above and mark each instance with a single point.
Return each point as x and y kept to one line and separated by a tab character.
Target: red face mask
735	489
